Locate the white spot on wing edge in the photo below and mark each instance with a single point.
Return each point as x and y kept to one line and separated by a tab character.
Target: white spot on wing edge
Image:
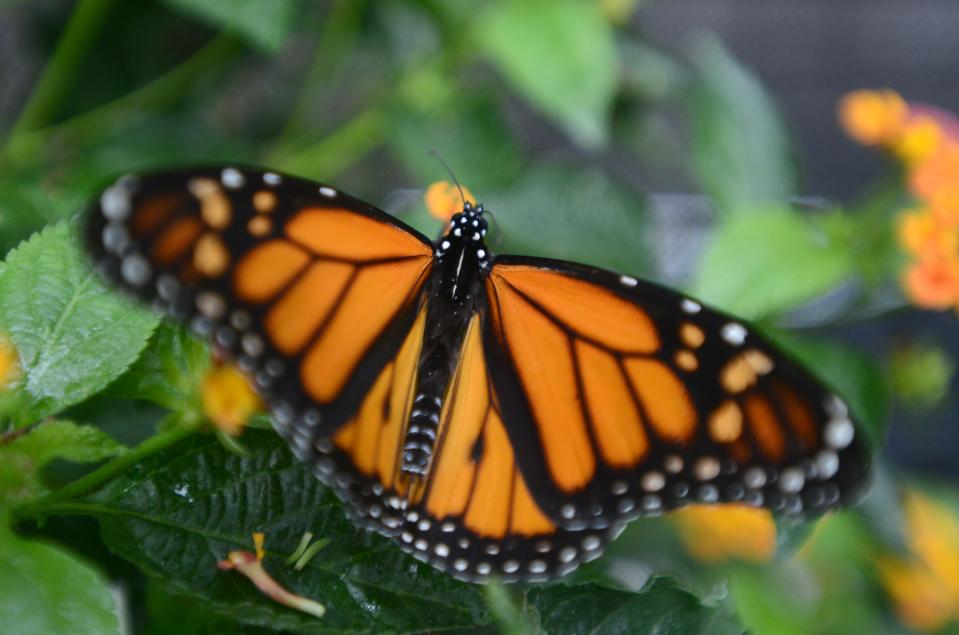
734	333
690	306
272	178
328	192
231	178
628	281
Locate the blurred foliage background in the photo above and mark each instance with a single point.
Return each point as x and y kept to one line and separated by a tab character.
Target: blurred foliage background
632	135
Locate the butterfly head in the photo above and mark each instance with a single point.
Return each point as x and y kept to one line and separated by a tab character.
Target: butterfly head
469	225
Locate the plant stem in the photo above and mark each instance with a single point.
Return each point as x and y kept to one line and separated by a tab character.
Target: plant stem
179	429
64	64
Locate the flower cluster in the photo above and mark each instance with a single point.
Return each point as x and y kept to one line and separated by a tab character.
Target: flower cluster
926	141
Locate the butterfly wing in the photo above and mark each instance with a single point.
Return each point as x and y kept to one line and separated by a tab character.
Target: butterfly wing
474	517
309	289
622	398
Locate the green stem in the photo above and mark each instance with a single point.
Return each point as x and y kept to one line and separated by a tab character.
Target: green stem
62	69
182	427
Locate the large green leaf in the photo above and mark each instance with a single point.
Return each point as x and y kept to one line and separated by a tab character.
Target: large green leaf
265	24
660	608
73	335
44	590
741	152
761	264
178	512
558	54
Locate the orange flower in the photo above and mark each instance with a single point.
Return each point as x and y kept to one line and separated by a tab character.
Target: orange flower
9	363
873	117
716	533
922	235
228	399
926	140
924	585
443	199
933	283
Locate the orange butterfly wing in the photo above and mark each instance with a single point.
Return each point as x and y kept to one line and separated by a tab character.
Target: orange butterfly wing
622	398
308	288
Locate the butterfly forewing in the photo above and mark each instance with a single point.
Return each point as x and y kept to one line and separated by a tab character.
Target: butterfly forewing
309	289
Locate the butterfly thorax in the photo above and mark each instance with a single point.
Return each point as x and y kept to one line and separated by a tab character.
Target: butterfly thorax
462	262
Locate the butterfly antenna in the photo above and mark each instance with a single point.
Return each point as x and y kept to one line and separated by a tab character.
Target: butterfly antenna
439	157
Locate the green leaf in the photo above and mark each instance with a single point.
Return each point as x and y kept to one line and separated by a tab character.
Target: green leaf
168	372
73	335
65	440
660	608
22	458
853	374
264	24
557	211
566	65
178	512
741	151
44	590
762	264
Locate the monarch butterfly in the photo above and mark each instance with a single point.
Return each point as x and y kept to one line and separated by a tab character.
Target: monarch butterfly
496	415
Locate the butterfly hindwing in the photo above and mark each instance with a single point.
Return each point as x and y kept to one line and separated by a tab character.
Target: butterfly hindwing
308	288
627	399
474	516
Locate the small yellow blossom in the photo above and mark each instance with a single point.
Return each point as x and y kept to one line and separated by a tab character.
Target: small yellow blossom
228	399
443	199
918	140
251	565
717	533
873	117
924	585
9	363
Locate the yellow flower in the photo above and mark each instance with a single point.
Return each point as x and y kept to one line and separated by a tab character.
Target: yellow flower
873	117
228	399
716	533
918	139
9	363
924	585
443	199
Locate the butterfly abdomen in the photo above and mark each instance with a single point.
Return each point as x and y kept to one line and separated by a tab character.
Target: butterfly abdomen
454	291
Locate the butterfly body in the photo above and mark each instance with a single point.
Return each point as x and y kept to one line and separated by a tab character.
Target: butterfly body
497	416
